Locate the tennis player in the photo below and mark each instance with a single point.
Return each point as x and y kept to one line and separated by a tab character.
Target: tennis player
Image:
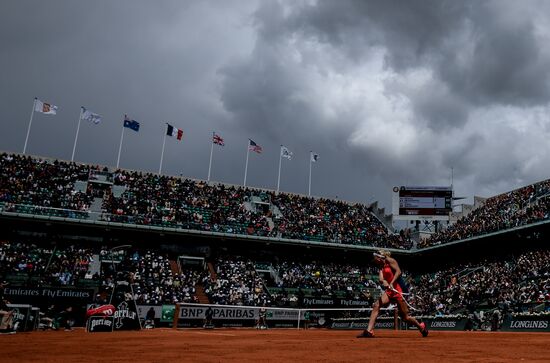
390	278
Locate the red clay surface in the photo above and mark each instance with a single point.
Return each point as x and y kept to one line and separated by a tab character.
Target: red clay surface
248	345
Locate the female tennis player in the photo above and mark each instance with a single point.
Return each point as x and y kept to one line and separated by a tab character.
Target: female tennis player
390	277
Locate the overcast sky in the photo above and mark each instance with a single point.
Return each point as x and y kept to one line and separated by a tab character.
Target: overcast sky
386	92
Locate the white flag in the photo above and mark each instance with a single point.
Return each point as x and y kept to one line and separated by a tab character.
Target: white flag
88	115
285	153
314	157
45	108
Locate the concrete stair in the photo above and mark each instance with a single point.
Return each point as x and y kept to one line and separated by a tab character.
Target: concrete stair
212	270
174	267
96	208
201	295
95	267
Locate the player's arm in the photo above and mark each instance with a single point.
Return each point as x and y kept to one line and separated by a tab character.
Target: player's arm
382	280
395	266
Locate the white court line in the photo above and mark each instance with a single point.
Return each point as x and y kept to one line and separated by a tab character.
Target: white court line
222	334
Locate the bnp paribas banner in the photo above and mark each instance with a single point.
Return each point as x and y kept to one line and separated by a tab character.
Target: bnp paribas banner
190	316
237	313
126	314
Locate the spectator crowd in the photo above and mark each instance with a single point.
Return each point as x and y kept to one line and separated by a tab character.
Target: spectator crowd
236	282
38	265
154	280
513	209
36	186
25	180
513	283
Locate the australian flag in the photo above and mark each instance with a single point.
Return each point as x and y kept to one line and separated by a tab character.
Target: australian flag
131	124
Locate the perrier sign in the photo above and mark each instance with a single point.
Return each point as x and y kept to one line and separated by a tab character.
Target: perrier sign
125	316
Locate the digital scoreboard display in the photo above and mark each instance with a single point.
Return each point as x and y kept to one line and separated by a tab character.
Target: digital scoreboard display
425	201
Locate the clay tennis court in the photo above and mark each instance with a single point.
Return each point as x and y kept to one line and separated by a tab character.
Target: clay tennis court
238	345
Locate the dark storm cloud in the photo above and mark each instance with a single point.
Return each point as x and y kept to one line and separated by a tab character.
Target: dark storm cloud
154	61
471	56
387	92
486	51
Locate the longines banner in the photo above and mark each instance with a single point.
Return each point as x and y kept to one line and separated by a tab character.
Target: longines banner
527	323
25	294
388	323
440	323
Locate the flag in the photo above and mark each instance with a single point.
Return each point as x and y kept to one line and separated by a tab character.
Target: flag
45	108
285	153
314	157
217	139
172	131
252	146
131	124
88	115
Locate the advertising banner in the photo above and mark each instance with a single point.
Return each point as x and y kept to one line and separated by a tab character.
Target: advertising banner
527	323
446	323
98	324
454	323
347	324
21	316
167	314
388	323
328	302
126	314
237	313
164	313
192	316
40	294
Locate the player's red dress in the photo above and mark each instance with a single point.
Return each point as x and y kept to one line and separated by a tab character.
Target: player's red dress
387	273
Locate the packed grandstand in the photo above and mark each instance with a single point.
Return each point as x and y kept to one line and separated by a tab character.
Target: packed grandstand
38	186
158	269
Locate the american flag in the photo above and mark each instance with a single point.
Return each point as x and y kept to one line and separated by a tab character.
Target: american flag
252	146
217	139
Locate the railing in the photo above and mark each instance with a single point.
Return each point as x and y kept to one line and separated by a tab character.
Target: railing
44	211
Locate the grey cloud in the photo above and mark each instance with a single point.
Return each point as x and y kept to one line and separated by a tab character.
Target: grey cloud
506	65
270	71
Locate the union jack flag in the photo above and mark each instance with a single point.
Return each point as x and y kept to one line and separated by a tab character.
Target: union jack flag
217	139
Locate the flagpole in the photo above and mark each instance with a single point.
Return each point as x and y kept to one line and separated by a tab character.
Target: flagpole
309	188
246	165
280	160
211	152
77	130
120	147
162	153
30	123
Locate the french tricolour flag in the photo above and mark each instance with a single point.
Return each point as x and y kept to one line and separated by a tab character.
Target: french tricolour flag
172	131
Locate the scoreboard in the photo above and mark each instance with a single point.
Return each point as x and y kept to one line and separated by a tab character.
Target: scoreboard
420	202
